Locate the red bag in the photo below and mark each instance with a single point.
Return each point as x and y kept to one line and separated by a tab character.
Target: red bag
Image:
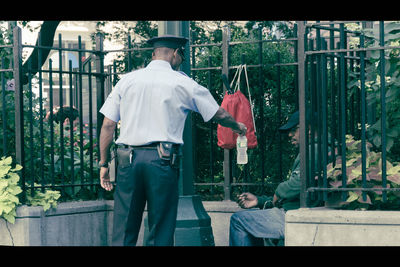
239	107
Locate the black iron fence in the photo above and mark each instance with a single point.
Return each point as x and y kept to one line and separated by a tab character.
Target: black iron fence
55	107
53	121
217	175
348	83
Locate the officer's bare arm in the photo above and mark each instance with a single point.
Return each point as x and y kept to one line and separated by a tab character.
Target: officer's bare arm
225	119
106	136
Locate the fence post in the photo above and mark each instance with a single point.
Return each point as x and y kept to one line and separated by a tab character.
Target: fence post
227	153
19	101
99	84
279	114
301	76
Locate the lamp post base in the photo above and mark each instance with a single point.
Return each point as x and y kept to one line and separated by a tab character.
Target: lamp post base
193	224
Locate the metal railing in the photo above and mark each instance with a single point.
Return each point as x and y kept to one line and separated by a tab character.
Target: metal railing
57	121
55	117
333	80
234	179
54	134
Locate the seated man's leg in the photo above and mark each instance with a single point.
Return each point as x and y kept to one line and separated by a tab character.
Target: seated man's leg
248	227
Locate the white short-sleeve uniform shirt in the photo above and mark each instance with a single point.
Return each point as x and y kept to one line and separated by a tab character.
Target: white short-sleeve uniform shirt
152	104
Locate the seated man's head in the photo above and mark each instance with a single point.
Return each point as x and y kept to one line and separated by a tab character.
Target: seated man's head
292	128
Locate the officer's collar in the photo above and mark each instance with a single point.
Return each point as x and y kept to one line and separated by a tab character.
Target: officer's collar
159	63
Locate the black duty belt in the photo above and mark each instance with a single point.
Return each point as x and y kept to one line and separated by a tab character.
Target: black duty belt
148	146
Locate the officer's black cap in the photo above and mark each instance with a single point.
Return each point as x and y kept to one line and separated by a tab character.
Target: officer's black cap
170	41
291	123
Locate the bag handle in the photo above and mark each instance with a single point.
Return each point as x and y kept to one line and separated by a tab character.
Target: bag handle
251	102
237	77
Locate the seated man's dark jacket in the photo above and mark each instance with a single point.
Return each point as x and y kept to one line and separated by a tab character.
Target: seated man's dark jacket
288	191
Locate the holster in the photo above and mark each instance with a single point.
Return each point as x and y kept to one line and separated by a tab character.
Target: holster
124	156
169	152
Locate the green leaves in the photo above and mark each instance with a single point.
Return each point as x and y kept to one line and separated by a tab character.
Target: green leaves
373	83
355	199
9	189
352	197
47	200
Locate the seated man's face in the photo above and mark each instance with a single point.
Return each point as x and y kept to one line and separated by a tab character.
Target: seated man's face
294	134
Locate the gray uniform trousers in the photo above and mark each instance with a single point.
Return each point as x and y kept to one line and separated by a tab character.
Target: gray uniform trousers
146	178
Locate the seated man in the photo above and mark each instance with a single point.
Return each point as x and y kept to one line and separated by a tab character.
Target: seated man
250	227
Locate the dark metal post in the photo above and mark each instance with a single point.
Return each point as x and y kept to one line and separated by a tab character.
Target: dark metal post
383	106
363	119
302	110
51	118
324	116
99	84
261	106
227	153
80	108
343	109
61	104
333	88
279	114
209	84
99	90
19	104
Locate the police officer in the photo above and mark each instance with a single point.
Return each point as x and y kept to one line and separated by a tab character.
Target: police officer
152	104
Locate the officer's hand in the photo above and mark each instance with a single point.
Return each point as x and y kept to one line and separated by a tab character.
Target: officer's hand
242	129
247	200
105	179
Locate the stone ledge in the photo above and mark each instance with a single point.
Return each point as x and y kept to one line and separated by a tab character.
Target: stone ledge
221	206
331	227
65	208
65	224
335	216
76	223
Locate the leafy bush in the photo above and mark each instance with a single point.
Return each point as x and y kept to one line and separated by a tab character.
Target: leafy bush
373	84
10	189
373	199
47	199
392	83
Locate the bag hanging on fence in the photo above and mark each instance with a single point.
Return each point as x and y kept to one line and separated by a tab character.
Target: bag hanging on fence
241	110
